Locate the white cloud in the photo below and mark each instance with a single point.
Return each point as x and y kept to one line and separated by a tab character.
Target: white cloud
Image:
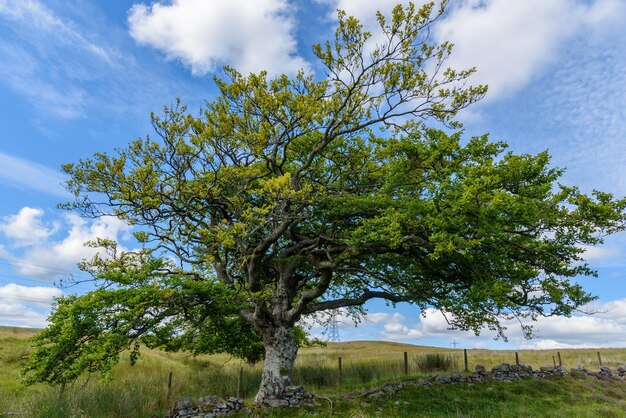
47	256
378	317
17	314
38	295
43	18
25	305
19	172
48	37
206	34
68	61
4	253
62	255
396	331
26	227
600	253
579	329
511	42
605	328
584	111
365	10
393	326
46	251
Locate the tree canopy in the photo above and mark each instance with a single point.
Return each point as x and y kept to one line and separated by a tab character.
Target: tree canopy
291	196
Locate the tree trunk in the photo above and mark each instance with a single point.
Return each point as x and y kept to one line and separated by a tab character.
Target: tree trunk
280	353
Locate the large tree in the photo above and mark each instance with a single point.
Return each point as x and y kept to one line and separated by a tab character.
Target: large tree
292	196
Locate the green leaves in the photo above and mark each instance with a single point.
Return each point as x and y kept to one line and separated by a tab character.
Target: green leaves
143	302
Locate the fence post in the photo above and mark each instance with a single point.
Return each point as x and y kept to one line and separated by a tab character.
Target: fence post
516	359
465	358
239	382
406	363
168	388
553	361
558	353
61	390
599	360
340	372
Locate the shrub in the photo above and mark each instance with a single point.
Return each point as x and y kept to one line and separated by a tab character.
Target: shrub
436	362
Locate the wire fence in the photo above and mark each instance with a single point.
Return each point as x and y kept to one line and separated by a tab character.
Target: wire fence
347	373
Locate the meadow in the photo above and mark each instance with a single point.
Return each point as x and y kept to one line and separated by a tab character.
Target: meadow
139	391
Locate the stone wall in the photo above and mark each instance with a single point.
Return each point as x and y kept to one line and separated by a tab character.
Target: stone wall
502	373
206	407
296	396
213	406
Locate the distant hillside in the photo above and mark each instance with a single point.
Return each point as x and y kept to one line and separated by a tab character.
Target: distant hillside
17	332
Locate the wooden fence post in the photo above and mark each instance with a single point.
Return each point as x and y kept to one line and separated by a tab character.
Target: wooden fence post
516	359
599	360
406	363
239	382
465	358
553	361
340	371
558	353
168	388
61	390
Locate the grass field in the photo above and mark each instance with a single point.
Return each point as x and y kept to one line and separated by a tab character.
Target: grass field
139	391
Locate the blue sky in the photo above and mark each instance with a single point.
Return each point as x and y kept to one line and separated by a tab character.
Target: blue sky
77	77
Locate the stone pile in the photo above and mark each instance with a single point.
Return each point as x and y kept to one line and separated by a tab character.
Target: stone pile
213	406
292	396
604	373
206	407
502	373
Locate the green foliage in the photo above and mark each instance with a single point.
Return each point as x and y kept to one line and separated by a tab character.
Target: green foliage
142	303
431	362
291	196
147	305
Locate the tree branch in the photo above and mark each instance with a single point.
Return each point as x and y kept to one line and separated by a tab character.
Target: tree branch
365	296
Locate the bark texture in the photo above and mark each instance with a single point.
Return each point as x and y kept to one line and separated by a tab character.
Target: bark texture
280	353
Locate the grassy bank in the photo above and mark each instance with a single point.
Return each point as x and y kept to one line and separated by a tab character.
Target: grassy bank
139	391
555	397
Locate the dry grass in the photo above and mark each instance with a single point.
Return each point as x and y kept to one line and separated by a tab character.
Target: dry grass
17	332
393	352
138	390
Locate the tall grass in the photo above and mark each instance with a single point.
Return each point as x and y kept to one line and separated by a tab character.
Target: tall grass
139	391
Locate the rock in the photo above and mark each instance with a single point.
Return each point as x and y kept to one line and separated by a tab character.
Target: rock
456	378
277	402
605	372
480	368
205	407
443	379
503	368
